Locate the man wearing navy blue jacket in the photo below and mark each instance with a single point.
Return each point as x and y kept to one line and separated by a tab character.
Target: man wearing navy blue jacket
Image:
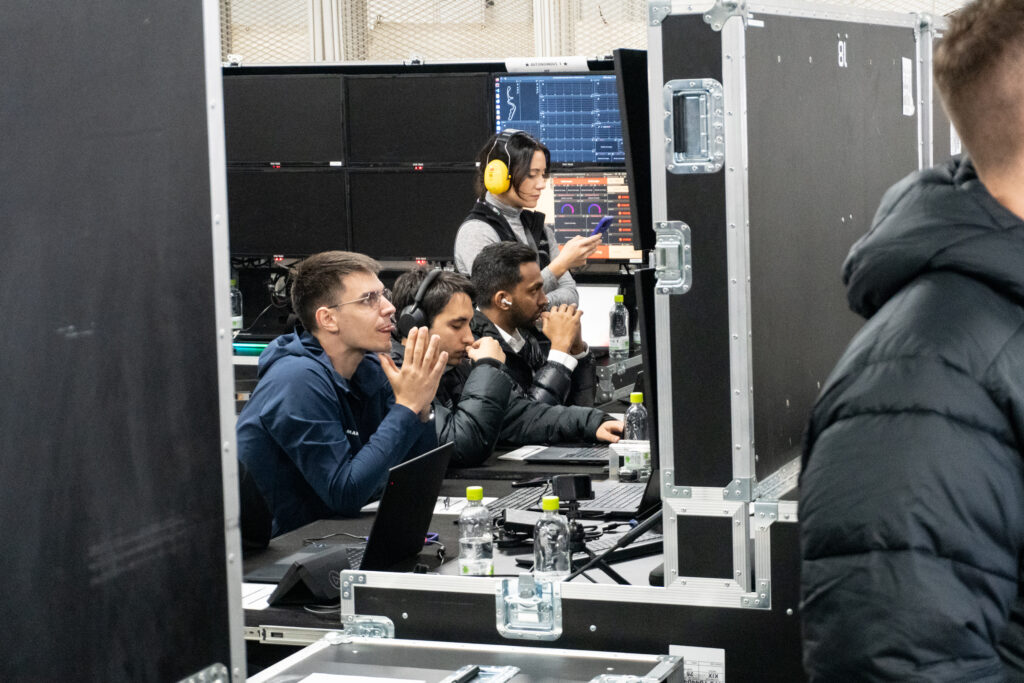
329	417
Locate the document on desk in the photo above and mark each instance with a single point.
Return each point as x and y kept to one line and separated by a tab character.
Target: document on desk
254	595
521	453
445	505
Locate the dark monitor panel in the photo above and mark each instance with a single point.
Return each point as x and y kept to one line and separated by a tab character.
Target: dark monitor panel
429	119
283	118
291	212
574	203
404	215
631	68
576	116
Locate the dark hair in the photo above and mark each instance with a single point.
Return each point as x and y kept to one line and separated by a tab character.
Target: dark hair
316	281
521	147
979	70
497	267
446	285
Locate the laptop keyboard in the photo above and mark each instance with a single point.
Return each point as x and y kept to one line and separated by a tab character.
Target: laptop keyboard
648	543
519	499
623	496
588	453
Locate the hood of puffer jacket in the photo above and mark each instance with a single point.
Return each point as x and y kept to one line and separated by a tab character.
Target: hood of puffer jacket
941	218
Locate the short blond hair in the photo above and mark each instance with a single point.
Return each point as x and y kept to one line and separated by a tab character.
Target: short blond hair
979	71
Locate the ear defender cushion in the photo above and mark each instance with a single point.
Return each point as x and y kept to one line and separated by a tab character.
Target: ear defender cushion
411	316
497	179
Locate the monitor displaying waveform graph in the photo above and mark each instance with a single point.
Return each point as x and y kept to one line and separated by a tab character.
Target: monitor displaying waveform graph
574	203
576	116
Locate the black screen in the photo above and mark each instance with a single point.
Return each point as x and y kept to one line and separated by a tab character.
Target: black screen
436	118
291	212
403	215
286	118
631	68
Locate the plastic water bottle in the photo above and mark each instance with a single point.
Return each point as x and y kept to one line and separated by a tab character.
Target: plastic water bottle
618	337
236	307
636	429
551	543
476	544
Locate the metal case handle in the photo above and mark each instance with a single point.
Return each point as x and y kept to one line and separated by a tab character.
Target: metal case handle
694	126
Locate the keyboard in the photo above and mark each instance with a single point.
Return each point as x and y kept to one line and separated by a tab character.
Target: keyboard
596	453
616	497
648	543
519	499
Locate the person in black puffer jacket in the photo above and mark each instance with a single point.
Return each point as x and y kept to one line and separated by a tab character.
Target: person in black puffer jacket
552	366
478	405
912	489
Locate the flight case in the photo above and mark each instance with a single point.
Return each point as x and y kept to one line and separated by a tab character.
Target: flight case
775	128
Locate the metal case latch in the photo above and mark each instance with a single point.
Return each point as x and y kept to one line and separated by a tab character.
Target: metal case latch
672	268
694	125
722	10
480	674
369	626
529	609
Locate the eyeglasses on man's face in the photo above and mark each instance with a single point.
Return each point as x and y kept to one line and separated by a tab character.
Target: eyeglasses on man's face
372	299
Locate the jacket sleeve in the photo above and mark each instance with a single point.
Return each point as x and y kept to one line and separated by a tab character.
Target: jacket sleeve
472	237
474	423
560	290
304	422
584	382
530	422
551	384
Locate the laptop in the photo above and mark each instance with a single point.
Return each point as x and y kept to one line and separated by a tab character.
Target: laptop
612	499
400	526
624	499
581	454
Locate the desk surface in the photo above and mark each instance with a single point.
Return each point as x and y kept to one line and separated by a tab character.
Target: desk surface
328	532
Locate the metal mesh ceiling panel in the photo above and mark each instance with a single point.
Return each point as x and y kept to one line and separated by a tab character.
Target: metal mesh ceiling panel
305	31
266	31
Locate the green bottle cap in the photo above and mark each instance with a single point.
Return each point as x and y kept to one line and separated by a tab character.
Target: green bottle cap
549	503
618	298
636	397
474	493
234	282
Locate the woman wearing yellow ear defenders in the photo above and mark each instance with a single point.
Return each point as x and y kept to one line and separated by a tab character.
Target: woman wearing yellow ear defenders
512	172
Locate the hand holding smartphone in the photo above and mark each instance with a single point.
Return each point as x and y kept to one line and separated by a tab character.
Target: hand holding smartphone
602	225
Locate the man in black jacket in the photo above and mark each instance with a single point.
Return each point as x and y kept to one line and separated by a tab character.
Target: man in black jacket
477	404
912	490
555	367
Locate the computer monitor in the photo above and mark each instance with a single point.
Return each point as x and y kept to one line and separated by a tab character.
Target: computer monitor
407	119
596	302
575	115
289	118
286	211
405	215
574	203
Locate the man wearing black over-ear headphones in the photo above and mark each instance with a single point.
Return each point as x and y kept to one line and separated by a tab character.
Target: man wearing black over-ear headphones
512	171
555	367
478	404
